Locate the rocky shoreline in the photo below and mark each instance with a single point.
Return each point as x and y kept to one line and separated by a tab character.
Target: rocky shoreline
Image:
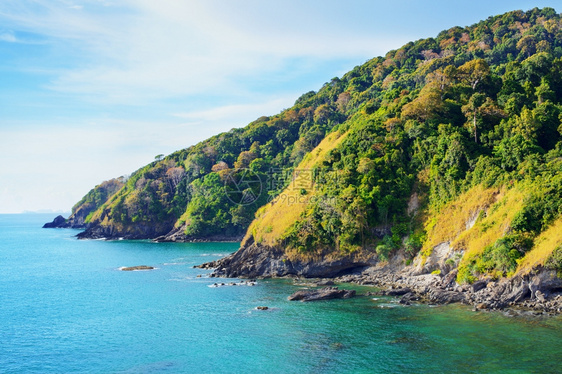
534	295
539	292
59	222
147	232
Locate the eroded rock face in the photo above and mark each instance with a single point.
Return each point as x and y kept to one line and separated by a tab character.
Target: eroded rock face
178	235
325	293
437	260
440	296
255	261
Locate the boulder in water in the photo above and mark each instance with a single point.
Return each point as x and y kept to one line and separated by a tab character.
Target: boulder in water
135	268
325	293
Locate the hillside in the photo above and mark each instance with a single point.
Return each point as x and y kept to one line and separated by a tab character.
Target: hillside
454	168
445	153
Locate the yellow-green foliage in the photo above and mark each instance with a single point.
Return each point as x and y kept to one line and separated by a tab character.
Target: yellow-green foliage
474	223
543	247
493	226
274	219
494	232
447	224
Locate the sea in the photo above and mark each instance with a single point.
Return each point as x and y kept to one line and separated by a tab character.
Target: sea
66	307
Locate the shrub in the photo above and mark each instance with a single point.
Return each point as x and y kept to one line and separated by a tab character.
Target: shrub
465	275
414	243
554	262
384	249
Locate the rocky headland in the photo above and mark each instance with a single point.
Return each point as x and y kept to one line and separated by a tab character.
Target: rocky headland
58	222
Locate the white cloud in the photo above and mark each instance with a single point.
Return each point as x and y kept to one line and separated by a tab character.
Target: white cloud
242	112
8	37
144	50
52	167
151	54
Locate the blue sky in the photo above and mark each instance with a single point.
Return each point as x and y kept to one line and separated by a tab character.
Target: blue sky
94	89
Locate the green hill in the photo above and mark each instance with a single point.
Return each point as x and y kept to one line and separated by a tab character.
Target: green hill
454	139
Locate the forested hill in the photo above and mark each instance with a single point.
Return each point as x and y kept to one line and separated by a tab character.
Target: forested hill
397	141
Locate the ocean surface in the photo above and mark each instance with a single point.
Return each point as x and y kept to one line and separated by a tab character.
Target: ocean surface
65	307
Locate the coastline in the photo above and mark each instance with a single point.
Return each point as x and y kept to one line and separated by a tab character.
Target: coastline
539	291
513	294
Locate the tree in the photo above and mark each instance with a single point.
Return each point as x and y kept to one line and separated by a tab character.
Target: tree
322	114
174	176
472	110
474	72
221	165
426	106
343	100
244	159
442	78
527	45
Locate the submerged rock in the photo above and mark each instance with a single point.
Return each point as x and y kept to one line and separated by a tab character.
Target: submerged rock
325	293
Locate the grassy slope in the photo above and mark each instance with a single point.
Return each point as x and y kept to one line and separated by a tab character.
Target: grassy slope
543	247
274	219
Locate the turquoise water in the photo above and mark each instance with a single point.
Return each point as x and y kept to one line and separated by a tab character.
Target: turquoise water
66	308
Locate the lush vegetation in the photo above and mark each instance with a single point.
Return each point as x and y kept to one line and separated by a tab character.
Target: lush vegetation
187	189
93	200
470	122
466	124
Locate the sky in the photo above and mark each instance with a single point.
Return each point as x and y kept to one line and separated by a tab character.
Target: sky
95	89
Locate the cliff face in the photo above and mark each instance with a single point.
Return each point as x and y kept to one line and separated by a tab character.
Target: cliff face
258	261
458	239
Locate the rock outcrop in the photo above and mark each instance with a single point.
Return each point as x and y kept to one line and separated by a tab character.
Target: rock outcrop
177	235
89	203
58	222
540	291
131	232
325	293
256	261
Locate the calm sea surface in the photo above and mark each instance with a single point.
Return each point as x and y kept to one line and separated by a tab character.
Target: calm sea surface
66	308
